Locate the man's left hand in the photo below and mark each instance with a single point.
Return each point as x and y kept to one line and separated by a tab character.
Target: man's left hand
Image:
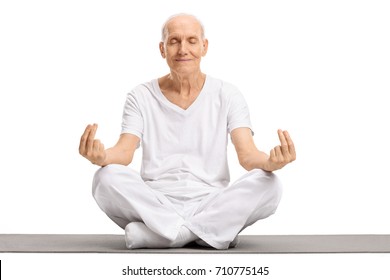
283	154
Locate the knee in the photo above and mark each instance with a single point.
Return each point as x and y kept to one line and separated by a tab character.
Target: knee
104	177
276	188
271	185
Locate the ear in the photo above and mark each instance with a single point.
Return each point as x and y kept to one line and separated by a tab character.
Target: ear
205	47
162	49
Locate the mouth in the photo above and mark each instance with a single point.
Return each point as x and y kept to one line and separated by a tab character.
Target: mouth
182	60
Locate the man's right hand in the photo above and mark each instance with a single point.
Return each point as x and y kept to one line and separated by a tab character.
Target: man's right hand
91	148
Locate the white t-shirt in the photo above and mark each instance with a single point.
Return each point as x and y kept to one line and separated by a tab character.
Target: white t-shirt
185	151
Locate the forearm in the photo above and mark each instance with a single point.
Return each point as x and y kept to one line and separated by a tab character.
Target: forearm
116	155
251	158
255	160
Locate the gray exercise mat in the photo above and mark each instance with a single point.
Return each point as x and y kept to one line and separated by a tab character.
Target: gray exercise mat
248	244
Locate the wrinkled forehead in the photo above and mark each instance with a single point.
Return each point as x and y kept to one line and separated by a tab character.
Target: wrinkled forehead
184	26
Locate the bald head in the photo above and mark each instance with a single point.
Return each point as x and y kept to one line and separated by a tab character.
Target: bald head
177	18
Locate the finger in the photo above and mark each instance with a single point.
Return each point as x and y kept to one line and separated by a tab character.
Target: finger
96	148
272	154
282	137
279	153
288	137
101	147
96	145
83	140
98	154
283	142
290	144
91	138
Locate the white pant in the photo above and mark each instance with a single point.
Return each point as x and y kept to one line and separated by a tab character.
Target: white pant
216	218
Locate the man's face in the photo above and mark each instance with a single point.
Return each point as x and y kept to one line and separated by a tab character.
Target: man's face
183	47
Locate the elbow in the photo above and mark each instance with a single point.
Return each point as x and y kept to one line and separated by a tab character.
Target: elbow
127	159
245	163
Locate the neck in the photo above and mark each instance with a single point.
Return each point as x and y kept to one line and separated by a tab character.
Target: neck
185	84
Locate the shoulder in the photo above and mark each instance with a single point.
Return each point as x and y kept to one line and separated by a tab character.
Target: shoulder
140	96
143	89
228	92
224	88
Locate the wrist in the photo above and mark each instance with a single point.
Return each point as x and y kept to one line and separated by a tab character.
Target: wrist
102	161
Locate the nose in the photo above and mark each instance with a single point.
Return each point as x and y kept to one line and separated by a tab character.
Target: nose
183	48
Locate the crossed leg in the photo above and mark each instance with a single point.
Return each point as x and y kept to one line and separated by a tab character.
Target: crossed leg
150	219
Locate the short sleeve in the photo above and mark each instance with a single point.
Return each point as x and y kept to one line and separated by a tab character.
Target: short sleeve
132	121
238	112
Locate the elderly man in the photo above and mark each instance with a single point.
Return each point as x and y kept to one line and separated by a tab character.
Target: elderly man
182	122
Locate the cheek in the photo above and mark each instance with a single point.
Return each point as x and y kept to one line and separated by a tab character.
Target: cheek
169	54
197	52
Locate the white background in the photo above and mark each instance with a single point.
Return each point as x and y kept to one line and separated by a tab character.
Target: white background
317	68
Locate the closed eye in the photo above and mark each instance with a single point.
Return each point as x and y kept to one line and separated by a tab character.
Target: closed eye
193	40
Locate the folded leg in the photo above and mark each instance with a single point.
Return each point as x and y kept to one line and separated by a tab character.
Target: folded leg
122	194
138	235
254	196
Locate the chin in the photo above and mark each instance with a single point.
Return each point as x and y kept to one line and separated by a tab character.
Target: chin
185	70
